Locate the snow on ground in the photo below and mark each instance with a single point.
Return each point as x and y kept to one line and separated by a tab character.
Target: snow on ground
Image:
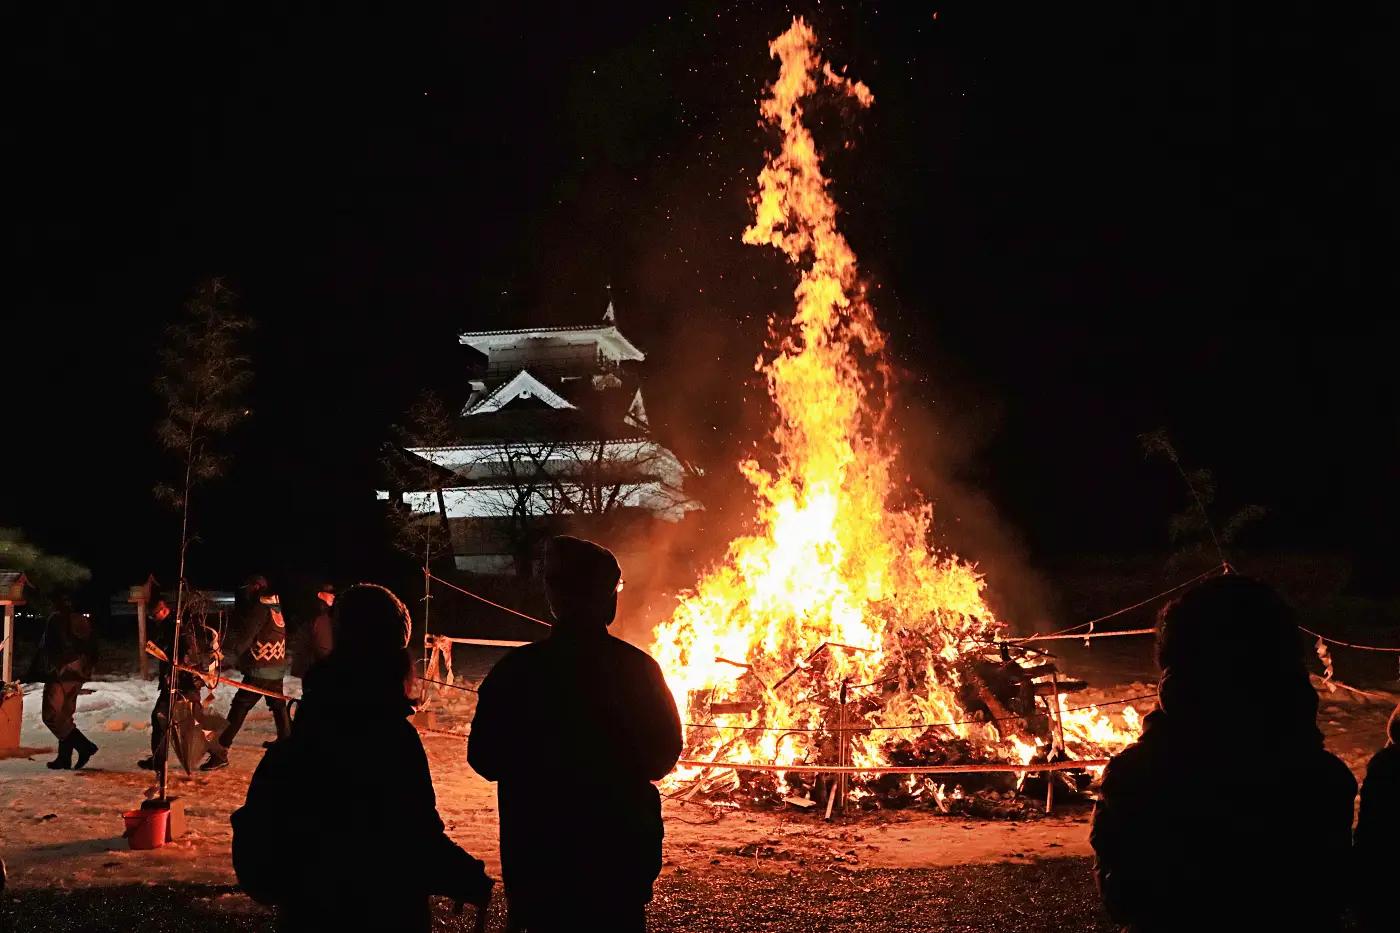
64	829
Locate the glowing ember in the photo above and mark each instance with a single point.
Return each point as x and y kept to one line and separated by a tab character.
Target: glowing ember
838	594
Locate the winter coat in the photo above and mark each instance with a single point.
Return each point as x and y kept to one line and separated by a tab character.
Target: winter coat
1224	824
315	644
362	843
260	640
68	651
589	716
1378	835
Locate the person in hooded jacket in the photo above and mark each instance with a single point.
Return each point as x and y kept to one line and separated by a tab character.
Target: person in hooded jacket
591	710
1227	813
1378	835
259	646
370	846
65	660
187	685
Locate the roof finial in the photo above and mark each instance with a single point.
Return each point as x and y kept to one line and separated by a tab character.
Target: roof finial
610	315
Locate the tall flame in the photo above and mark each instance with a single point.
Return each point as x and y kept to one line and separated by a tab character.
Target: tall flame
835	577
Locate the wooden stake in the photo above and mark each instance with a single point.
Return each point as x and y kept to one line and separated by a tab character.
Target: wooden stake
141	638
8	645
1059	718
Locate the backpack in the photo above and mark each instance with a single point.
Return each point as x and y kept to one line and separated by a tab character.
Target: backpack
260	828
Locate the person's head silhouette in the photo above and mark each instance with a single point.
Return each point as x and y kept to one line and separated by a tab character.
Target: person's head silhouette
581	581
372	629
1235	635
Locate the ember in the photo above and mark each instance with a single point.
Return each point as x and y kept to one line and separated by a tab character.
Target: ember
835	635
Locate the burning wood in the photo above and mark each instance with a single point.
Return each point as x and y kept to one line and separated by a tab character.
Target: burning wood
838	586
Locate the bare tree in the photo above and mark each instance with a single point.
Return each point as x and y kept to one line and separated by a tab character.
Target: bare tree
203	377
601	477
421	534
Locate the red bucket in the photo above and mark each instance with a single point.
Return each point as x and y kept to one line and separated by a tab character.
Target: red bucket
146	829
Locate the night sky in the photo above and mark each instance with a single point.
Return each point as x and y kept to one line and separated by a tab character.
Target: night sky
1081	223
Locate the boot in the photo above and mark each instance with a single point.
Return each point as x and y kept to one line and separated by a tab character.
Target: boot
64	761
84	746
218	758
148	764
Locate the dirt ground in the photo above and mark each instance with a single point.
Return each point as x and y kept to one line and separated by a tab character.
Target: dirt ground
69	868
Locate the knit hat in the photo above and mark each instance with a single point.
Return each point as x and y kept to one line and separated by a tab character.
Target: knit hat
370	620
1234	636
581	579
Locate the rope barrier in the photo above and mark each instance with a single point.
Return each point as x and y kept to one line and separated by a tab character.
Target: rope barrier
1088	635
912	725
485	642
442	733
1222	568
995	767
489	602
1347	644
443	683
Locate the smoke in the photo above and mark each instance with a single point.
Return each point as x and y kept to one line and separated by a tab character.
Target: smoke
943	427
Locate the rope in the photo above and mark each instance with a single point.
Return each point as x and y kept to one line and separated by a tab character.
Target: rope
1151	599
443	683
917	769
442	733
1346	644
489	602
912	725
1088	635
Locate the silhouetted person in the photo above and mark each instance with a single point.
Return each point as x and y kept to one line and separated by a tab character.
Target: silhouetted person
260	646
1228	813
589	712
1378	835
186	683
318	639
66	658
341	829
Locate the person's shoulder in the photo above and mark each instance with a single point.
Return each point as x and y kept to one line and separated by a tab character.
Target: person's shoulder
631	654
1137	763
1332	774
1384	765
517	662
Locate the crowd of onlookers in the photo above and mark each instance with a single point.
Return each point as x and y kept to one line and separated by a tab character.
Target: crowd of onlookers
1227	814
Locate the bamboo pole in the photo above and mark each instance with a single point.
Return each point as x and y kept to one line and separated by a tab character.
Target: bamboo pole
219	678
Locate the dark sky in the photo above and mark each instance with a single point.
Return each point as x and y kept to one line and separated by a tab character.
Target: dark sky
1083	222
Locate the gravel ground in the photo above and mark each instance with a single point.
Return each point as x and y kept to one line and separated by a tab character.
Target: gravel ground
1045	896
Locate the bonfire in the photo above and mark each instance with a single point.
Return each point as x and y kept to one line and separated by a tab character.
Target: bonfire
835	634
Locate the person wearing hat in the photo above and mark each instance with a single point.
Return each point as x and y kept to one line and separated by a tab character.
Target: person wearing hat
585	704
1173	852
370	845
259	646
65	660
316	643
1378	833
186	683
